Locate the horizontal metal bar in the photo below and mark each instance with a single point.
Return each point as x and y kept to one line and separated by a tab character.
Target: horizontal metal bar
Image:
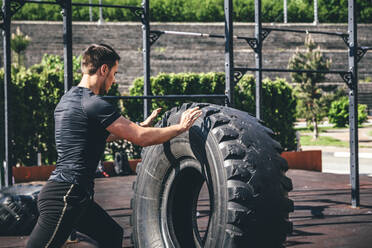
287	70
197	34
40	2
107	6
306	31
86	4
188	34
166	97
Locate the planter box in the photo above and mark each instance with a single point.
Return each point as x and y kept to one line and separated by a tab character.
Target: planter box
133	164
42	173
304	160
32	173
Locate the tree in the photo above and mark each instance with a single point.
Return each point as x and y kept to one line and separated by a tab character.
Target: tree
19	44
310	94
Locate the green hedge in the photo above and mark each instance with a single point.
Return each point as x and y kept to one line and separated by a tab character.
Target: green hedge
330	11
279	103
32	98
339	112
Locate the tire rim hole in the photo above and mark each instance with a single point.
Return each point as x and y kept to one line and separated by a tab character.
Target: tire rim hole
189	209
202	213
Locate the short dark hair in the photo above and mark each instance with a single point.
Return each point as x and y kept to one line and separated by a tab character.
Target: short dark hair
97	55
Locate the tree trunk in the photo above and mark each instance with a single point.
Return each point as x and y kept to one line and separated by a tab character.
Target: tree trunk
315	132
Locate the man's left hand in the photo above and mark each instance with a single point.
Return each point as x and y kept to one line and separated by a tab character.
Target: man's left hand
148	122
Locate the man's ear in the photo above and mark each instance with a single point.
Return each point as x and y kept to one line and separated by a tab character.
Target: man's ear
103	69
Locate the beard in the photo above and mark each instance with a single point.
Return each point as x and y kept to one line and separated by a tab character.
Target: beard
102	89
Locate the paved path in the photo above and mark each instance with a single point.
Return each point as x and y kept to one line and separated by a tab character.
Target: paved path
337	159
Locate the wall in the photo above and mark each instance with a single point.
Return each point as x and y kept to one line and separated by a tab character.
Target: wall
192	54
365	96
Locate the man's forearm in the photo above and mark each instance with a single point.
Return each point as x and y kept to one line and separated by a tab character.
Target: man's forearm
147	136
152	135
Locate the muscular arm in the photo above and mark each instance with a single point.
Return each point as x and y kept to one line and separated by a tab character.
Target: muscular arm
146	123
146	136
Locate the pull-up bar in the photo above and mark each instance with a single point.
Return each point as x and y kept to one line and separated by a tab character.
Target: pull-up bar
155	35
188	34
290	70
197	34
345	37
306	31
240	71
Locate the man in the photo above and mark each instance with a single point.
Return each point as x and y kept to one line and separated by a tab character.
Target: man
83	123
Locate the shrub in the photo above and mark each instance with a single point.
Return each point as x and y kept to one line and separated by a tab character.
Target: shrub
278	100
33	95
339	112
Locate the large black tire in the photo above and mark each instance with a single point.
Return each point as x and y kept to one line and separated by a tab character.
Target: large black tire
235	156
18	209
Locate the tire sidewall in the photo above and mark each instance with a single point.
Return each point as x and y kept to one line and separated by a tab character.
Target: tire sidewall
154	184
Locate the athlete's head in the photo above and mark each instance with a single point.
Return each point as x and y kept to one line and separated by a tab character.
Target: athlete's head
97	55
101	60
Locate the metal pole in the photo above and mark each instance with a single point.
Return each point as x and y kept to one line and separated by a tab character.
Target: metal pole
146	57
7	167
285	10
229	52
100	21
90	11
316	20
258	55
67	42
353	105
7	82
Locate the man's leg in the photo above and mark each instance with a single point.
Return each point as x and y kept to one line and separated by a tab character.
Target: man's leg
98	225
57	216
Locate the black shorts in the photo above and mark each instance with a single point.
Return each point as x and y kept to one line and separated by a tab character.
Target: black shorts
64	207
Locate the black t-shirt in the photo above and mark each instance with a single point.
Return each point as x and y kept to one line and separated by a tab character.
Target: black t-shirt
81	119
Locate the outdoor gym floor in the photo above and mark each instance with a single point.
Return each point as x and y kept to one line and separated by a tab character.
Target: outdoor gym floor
323	216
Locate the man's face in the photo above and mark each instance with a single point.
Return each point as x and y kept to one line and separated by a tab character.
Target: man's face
109	79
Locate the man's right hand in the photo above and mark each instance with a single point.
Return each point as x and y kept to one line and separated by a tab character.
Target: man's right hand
189	117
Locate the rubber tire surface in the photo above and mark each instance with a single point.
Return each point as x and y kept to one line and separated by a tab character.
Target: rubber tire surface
236	157
18	209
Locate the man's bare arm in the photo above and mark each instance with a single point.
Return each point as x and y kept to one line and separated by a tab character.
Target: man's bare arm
125	129
146	123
